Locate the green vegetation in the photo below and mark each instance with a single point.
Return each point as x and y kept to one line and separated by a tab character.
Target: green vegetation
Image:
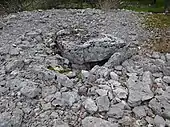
59	69
145	5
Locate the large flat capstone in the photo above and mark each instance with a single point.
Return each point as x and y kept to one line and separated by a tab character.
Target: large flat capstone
80	47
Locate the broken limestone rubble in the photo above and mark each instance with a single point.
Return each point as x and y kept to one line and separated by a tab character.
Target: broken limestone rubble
80	68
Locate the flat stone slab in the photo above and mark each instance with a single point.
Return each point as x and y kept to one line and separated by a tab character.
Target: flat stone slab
86	48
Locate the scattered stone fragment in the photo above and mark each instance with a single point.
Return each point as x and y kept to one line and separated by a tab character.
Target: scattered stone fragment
121	93
17	64
90	105
70	98
116	111
139	91
102	92
1	25
166	79
168	57
119	57
114	76
103	103
60	124
139	111
48	90
166	70
8	119
159	121
85	74
63	80
30	89
97	122
160	104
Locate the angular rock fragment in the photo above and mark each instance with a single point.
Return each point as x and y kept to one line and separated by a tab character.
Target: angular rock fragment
159	121
114	76
97	122
1	25
90	105
13	65
119	57
116	111
70	98
121	92
166	79
63	80
139	91
11	119
139	111
160	104
30	89
103	103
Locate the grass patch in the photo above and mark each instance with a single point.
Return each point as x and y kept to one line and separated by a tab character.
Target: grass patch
160	21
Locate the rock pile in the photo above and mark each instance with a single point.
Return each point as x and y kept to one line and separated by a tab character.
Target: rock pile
38	87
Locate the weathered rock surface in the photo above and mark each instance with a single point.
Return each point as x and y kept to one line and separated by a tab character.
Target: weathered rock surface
90	105
96	122
160	104
139	91
94	49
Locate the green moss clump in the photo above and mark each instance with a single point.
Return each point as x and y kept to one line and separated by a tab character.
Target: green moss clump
59	69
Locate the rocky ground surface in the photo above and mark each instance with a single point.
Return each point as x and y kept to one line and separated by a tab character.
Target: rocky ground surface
81	68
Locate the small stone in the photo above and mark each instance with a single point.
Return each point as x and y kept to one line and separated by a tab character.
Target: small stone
127	121
168	57
63	80
1	25
54	115
27	110
156	55
166	70
47	90
159	121
60	125
102	92
70	98
157	75
149	120
85	74
121	93
17	64
114	76
139	111
14	52
139	91
30	89
90	105
71	74
103	103
96	122
57	99
118	68
166	79
46	106
116	111
83	90
114	83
